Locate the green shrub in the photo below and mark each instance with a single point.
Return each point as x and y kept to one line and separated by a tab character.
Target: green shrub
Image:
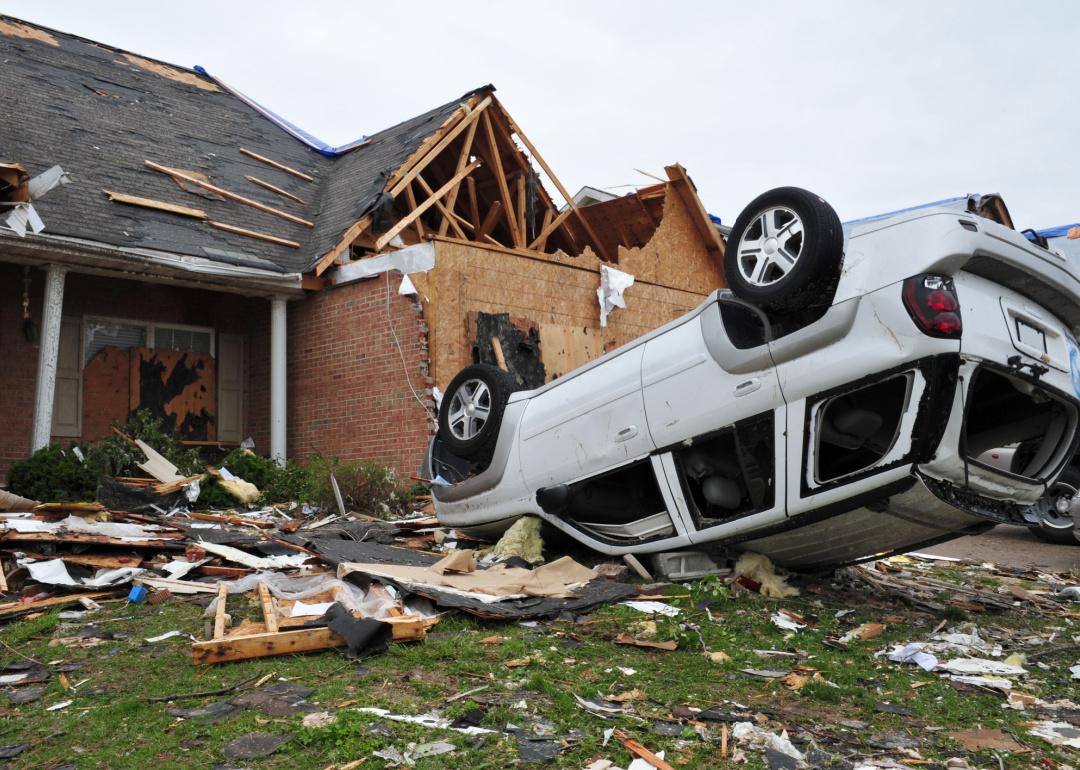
53	474
113	456
366	487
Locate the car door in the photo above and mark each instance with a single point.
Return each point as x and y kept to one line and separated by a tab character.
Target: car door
703	386
586	423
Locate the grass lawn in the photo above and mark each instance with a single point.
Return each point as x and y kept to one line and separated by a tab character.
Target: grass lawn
110	724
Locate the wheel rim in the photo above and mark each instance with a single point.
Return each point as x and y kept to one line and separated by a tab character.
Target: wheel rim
470	408
1057	507
770	246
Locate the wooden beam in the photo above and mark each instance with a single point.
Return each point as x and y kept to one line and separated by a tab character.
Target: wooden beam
463	158
388	236
500	178
489	221
474	205
443	143
342	246
685	187
410	196
539	243
219	611
521	207
448	215
16	608
269	613
558	186
253	234
275	189
549	228
278	166
149	203
500	359
312	283
227	193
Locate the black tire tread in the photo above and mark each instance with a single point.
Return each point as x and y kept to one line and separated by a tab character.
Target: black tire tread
502	384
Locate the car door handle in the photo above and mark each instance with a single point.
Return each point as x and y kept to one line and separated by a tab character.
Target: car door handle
626	433
745	388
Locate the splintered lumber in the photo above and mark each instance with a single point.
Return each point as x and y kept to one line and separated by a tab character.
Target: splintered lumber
237	520
342	245
164	540
253	234
407	220
15	608
69	507
289	642
463	158
549	228
638	750
95	560
275	164
275	189
227	193
489	220
685	187
149	203
269	613
448	216
219	612
500	359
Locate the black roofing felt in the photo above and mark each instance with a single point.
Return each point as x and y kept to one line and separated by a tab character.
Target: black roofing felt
92	110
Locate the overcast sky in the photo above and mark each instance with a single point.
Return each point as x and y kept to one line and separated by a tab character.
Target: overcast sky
874	106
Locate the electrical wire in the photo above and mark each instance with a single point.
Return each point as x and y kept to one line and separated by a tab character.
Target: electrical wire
401	353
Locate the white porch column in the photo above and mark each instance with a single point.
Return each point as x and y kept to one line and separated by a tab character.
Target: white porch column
277	379
52	308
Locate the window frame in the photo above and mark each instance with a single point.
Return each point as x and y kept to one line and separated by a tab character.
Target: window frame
150	328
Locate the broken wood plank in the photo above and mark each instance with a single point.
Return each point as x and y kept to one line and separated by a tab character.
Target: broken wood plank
69	507
443	143
230	572
278	166
14	608
489	220
290	642
164	541
269	613
253	234
150	203
174	486
558	186
500	178
275	189
342	246
474	205
639	750
227	193
405	221
219	611
238	520
95	560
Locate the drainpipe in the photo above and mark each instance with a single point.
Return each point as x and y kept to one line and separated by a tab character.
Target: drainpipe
52	308
277	379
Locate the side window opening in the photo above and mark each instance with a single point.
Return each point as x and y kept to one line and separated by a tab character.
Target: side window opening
730	473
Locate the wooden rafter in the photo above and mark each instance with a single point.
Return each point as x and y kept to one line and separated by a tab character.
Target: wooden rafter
540	242
500	178
405	221
549	228
394	188
474	205
463	158
447	214
522	205
411	198
489	220
558	186
342	245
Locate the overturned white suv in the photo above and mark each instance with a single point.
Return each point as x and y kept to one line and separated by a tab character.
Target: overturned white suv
861	389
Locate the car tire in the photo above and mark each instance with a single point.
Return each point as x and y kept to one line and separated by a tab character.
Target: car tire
1061	535
472	410
785	251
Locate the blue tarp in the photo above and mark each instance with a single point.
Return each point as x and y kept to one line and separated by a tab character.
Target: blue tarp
314	143
1052	232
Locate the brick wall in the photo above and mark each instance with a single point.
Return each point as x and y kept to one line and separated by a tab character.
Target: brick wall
100	296
348	387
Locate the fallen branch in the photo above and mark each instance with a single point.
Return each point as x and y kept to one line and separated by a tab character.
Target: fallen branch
203	694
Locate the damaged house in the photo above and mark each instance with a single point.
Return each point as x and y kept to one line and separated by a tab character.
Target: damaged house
168	244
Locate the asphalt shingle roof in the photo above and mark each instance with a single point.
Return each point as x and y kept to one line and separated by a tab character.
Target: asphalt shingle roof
100	112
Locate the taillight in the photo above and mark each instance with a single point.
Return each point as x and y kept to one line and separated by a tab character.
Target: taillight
931	301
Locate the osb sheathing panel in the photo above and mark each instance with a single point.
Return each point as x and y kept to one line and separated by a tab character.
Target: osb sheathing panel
559	298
